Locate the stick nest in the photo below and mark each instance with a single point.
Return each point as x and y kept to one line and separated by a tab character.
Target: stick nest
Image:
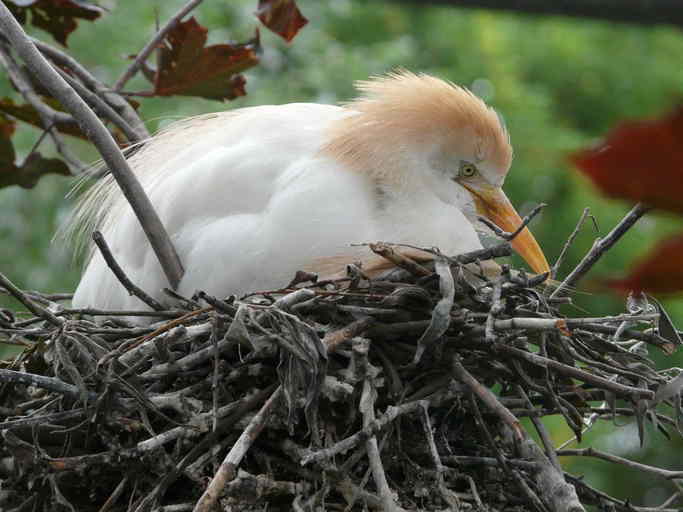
398	393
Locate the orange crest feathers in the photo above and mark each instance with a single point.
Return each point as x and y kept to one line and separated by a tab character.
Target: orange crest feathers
400	110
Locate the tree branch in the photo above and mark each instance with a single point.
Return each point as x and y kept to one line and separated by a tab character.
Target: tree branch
102	139
600	247
154	43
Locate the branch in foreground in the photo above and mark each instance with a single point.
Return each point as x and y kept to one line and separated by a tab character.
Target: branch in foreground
32	306
600	247
49	117
132	288
154	43
118	102
331	340
558	494
102	139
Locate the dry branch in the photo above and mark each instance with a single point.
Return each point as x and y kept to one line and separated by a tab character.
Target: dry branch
101	138
352	394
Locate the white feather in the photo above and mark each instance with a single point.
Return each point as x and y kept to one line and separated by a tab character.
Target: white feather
247	200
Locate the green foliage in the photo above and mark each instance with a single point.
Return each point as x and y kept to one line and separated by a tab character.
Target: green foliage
558	83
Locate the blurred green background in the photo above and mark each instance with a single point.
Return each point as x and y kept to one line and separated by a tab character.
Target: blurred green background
559	83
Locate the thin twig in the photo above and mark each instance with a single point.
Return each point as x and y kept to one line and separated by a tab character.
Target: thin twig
117	101
600	247
49	117
113	265
228	468
51	383
568	243
32	306
100	136
153	43
508	237
592	452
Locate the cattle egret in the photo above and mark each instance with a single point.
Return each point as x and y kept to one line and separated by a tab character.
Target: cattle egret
250	196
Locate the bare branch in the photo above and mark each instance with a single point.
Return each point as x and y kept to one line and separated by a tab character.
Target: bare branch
118	102
49	117
100	136
568	243
32	306
132	288
154	43
600	247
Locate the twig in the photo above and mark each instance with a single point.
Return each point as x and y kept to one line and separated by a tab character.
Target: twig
115	495
497	251
486	395
101	107
333	339
367	410
100	136
132	288
228	468
49	117
398	259
568	243
508	237
51	383
600	247
542	431
571	371
115	100
32	306
494	311
354	440
592	452
501	459
154	43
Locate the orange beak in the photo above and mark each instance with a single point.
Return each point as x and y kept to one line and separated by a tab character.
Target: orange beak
492	203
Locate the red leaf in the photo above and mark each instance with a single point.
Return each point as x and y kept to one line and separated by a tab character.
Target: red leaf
641	161
6	129
660	271
282	17
188	68
31	170
29	114
58	17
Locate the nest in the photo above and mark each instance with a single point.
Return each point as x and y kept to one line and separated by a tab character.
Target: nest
403	392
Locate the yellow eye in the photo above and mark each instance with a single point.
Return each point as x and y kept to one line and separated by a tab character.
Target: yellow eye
467	170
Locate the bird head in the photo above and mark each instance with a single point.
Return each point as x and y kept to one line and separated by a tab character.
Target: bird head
411	131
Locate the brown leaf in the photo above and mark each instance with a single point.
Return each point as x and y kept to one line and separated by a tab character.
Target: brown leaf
57	17
7	128
30	171
29	114
282	17
188	68
641	161
659	272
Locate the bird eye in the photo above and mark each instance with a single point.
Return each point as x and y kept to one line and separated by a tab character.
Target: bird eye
467	169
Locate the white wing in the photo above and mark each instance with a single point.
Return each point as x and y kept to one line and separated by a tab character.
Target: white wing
247	201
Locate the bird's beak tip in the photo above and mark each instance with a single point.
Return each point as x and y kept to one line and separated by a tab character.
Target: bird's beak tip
526	246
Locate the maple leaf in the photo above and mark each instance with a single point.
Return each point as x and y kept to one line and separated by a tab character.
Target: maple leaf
29	114
31	170
57	17
282	17
659	272
641	161
188	68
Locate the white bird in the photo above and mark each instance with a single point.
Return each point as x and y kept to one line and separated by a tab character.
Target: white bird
250	196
